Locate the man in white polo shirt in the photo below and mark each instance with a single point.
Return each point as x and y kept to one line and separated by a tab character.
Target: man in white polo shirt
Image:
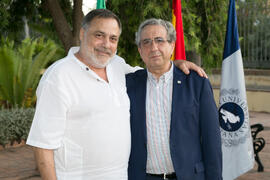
81	127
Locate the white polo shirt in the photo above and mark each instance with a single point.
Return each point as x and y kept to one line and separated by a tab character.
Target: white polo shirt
84	119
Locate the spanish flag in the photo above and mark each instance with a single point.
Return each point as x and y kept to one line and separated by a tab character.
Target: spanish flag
101	4
179	50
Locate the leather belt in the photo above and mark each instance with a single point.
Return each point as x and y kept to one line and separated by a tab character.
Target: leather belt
164	176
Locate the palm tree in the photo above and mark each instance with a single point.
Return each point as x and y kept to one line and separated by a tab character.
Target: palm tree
20	69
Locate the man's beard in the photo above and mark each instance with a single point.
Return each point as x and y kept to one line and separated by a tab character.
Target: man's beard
95	62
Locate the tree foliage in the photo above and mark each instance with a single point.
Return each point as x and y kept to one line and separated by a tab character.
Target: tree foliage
14	11
204	23
131	15
211	22
20	69
41	18
4	18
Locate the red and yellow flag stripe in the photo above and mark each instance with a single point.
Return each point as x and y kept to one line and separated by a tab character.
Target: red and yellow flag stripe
179	50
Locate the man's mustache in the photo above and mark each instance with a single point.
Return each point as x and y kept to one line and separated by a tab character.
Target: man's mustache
155	54
104	50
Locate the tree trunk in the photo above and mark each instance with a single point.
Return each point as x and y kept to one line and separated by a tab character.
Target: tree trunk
26	27
77	17
194	57
67	36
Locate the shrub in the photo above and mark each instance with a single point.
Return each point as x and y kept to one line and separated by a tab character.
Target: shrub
15	124
21	67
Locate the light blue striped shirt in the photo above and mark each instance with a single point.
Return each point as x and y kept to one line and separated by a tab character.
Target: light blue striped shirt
158	120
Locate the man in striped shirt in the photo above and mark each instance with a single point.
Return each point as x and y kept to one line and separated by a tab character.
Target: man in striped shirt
174	121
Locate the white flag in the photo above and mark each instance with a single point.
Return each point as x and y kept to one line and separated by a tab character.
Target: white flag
237	146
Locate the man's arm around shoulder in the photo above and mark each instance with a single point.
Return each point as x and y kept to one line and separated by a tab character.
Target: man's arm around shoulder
45	163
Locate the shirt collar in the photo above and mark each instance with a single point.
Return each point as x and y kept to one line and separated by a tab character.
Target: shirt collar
164	77
71	53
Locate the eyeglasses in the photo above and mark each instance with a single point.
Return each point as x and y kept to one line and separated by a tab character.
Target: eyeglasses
148	42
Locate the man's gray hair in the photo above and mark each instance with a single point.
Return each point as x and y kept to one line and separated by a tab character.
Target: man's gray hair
171	33
100	13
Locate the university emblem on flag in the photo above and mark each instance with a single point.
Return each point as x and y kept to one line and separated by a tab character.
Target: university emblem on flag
233	118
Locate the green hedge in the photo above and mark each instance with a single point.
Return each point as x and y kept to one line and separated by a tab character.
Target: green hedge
15	124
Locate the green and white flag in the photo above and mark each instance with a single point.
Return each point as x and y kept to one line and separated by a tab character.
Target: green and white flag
101	4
